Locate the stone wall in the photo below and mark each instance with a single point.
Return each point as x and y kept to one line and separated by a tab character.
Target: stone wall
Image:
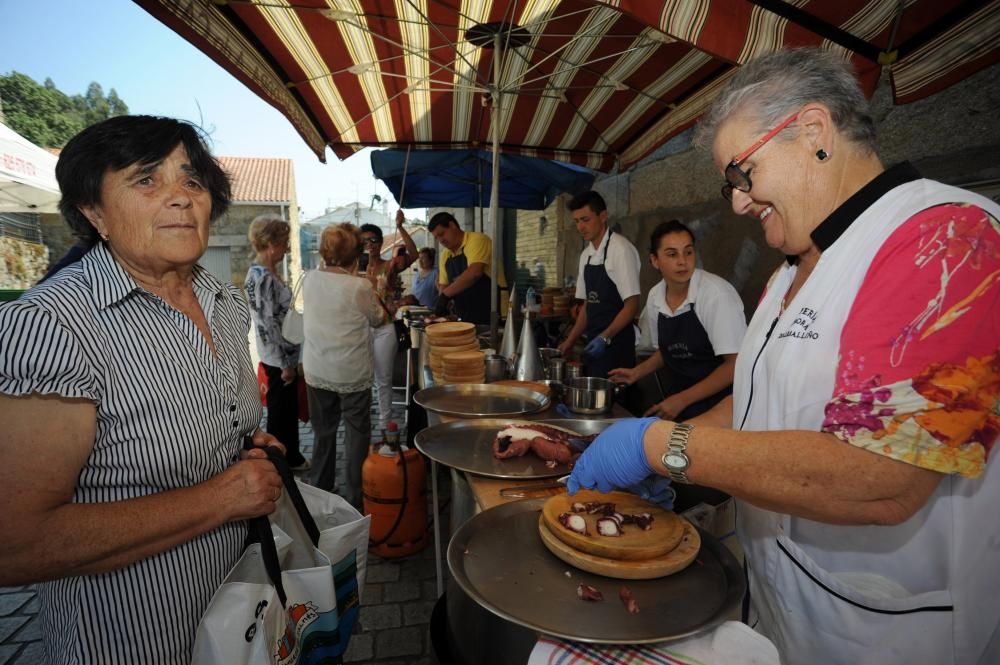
22	263
540	236
56	236
231	229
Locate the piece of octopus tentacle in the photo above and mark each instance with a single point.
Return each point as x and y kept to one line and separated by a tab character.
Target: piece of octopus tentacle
508	446
556	451
574	522
609	526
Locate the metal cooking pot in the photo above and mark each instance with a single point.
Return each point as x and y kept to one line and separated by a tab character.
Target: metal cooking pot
590	395
497	368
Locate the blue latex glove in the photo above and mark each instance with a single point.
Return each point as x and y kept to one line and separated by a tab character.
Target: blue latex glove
564	411
655	489
615	459
596	347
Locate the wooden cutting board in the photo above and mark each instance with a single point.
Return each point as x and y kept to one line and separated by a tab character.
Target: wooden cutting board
633	545
672	562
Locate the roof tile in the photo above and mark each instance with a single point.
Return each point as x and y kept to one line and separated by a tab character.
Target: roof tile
260	179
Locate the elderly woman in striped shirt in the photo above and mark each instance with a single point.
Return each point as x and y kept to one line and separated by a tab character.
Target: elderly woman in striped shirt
127	375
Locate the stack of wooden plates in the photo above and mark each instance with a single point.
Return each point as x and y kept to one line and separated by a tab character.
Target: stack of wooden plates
666	548
561	303
446	338
464	367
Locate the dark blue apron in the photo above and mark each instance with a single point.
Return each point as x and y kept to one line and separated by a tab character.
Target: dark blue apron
603	305
688	357
473	304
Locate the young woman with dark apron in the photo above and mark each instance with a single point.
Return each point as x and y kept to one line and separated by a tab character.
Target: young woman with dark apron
688	309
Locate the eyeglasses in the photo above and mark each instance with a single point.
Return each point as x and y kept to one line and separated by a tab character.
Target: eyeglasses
736	178
370	241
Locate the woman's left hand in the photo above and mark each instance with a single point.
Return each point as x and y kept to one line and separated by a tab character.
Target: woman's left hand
616	458
400	218
288	375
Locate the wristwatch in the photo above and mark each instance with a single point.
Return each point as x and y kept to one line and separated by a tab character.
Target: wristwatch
675	458
607	340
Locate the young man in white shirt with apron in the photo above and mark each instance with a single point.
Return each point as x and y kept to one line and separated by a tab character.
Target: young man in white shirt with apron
608	283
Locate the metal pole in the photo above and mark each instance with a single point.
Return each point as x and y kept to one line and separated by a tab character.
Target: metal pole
495	194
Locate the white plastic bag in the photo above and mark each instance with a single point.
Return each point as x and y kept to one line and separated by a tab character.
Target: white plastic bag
247	623
293	327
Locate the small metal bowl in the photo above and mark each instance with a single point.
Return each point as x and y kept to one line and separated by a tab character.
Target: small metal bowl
590	395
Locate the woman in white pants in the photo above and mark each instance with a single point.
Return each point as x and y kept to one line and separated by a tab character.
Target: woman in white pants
384	275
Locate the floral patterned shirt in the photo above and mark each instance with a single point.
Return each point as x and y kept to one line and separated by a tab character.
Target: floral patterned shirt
269	300
918	378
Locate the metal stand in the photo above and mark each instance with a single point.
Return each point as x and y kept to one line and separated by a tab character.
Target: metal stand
437	530
407	388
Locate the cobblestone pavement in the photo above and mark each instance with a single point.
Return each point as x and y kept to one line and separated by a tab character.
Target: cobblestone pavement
395	616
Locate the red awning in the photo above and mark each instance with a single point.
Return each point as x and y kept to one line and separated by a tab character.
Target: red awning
600	84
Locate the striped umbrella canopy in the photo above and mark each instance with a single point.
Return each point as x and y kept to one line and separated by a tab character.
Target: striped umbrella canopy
597	83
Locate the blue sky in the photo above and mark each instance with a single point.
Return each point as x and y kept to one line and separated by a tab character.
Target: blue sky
119	45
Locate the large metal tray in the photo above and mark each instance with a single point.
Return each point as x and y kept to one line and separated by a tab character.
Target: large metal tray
480	400
498	559
467	445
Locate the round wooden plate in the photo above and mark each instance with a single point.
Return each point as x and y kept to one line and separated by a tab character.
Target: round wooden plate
456	340
466	356
451	328
672	562
633	545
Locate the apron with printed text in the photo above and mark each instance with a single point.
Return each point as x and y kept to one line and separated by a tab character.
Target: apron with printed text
689	357
916	592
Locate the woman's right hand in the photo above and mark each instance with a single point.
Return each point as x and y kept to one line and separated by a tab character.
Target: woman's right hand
248	488
626	375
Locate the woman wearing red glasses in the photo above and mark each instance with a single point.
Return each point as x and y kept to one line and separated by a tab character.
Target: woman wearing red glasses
866	392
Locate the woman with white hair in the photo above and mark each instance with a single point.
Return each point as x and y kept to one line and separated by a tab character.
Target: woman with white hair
864	407
270	299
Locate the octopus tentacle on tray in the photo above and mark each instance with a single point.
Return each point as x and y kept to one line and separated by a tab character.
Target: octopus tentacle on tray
548	443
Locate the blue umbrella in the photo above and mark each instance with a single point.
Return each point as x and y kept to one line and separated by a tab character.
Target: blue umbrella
463	179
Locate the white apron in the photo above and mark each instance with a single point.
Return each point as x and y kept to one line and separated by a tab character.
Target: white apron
925	591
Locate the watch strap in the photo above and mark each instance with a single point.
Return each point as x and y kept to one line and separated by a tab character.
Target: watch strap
677	448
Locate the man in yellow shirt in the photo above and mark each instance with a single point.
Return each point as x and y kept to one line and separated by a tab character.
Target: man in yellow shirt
464	268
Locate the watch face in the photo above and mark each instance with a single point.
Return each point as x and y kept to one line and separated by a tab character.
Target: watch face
675	461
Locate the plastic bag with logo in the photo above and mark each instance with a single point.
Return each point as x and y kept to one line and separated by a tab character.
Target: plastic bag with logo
294	595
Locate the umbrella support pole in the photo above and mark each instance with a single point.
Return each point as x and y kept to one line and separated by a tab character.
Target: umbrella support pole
495	194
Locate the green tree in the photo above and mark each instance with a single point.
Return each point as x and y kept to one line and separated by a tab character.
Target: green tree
48	117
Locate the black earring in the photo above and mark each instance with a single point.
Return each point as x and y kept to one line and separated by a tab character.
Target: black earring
821	155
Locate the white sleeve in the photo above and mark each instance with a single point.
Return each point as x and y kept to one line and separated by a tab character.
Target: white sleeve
647	328
723	317
623	267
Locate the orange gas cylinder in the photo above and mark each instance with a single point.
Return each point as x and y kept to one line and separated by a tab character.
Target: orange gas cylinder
394	488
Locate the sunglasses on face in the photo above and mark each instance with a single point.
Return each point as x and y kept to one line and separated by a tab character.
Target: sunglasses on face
370	241
737	178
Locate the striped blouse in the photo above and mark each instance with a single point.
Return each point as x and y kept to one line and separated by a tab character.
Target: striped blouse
170	414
